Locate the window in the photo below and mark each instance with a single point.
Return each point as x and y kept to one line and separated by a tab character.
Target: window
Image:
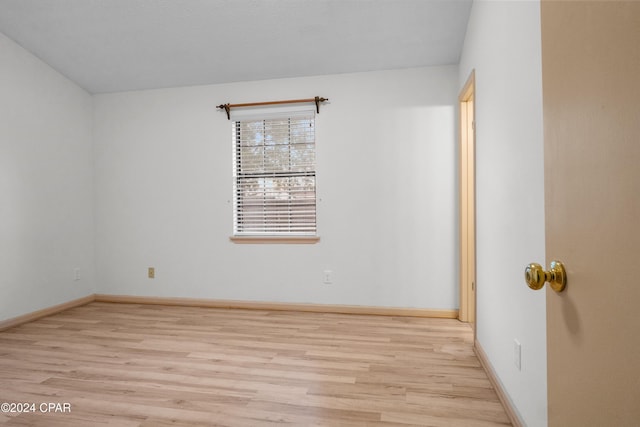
275	175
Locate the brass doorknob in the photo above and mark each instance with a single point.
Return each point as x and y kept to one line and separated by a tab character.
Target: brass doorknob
535	276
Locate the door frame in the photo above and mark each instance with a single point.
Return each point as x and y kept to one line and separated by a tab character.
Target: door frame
467	187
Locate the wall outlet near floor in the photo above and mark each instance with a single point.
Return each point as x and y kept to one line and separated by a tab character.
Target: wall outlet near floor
151	273
517	354
76	274
327	277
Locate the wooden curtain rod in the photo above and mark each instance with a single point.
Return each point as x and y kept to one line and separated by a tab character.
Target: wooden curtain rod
227	107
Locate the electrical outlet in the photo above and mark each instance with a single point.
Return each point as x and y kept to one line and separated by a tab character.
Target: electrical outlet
517	354
152	273
76	274
327	277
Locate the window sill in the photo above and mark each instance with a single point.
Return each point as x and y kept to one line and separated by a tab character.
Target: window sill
299	240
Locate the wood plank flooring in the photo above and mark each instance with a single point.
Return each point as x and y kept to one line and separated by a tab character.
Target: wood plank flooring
142	365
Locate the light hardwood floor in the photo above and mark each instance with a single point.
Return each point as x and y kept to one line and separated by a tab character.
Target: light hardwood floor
145	365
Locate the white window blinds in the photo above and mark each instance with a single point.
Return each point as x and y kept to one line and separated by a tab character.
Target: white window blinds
275	175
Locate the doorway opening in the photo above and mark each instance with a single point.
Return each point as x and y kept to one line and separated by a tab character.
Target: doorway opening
467	177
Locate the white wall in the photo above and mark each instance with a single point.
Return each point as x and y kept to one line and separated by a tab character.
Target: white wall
386	180
46	170
503	45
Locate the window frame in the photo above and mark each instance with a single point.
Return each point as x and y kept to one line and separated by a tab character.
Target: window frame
240	178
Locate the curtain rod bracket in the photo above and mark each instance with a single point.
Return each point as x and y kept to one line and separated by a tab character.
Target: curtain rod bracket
227	107
318	100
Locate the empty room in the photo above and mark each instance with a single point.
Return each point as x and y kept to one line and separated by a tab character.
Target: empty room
319	213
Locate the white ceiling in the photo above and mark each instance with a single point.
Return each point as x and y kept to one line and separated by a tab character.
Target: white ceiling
118	45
